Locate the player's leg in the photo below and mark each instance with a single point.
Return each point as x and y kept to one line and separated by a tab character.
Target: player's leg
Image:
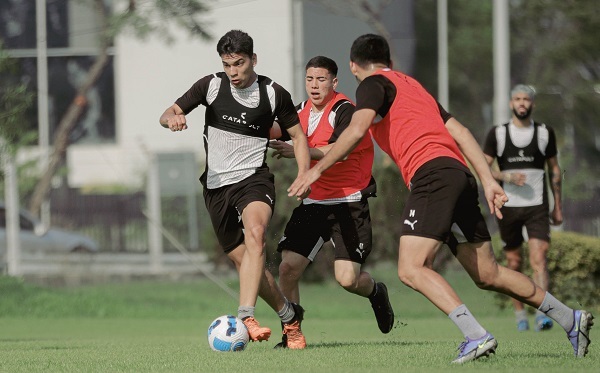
415	261
302	239
441	191
291	268
226	223
538	232
479	261
352	279
514	261
349	275
511	233
352	238
255	218
538	250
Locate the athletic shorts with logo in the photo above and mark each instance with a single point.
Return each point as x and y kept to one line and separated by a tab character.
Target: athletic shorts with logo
226	204
443	204
536	219
348	225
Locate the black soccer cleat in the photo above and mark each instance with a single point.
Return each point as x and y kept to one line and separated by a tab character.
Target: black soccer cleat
382	308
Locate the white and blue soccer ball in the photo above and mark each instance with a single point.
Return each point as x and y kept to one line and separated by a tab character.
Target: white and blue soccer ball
227	333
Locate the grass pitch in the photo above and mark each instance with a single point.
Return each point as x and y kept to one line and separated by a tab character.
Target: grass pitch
161	327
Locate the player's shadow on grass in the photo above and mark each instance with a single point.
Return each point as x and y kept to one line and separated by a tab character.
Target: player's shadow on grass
366	343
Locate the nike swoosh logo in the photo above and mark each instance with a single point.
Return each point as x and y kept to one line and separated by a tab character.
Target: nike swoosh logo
482	344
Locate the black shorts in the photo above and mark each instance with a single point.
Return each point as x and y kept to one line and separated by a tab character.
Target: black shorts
348	225
536	219
226	204
443	204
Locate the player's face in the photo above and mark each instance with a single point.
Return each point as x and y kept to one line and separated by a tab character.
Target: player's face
320	86
521	105
240	69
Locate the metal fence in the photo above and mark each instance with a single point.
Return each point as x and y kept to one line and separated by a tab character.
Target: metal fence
116	221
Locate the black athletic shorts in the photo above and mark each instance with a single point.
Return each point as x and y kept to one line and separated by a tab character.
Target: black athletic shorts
226	204
443	204
536	219
348	225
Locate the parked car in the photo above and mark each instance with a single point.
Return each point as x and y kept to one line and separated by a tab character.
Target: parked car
35	239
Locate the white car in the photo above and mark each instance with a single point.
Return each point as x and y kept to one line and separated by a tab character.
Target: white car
35	239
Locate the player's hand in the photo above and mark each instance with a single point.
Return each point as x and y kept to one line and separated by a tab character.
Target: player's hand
516	178
300	188
177	123
281	149
556	218
496	198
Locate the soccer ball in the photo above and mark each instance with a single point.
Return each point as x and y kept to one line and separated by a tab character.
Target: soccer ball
227	333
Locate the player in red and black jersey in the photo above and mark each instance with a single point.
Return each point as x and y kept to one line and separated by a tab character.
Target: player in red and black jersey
407	123
337	208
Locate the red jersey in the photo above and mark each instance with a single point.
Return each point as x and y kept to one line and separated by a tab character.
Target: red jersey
345	177
413	131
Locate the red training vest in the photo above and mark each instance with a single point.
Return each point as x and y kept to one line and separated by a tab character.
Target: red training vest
413	131
345	177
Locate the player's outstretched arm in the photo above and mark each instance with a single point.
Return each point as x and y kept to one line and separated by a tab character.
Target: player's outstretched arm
348	140
301	154
494	194
173	118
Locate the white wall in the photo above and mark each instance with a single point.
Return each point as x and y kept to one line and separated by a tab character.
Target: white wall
150	76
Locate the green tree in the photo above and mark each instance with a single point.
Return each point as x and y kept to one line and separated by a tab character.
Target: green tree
139	18
15	100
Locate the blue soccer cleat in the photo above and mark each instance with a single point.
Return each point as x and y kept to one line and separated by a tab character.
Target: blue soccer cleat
543	323
473	349
579	335
523	326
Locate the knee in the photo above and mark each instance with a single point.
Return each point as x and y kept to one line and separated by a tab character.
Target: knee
487	279
347	280
256	234
538	260
406	276
514	262
289	271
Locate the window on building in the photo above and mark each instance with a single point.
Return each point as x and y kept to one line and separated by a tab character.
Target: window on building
72	34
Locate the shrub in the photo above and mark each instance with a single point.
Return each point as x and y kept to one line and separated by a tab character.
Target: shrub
574	266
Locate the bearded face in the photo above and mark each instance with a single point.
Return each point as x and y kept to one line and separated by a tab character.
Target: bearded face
521	105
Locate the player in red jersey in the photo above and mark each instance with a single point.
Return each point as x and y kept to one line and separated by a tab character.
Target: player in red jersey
426	143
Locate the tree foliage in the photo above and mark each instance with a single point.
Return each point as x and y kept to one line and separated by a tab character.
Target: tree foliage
15	100
553	47
143	18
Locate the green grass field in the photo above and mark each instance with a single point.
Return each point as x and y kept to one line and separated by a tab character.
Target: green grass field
161	327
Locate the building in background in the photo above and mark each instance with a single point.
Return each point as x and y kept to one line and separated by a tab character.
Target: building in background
119	129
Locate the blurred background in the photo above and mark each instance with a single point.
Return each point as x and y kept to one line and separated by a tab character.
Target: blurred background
93	188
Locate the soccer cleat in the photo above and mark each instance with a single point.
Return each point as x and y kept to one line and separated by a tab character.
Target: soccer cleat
543	323
579	335
292	332
294	338
255	331
523	326
382	308
473	349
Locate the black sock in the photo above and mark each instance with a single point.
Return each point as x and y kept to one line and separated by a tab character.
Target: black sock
374	292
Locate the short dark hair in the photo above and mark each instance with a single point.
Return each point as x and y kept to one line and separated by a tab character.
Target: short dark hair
236	42
370	48
323	62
